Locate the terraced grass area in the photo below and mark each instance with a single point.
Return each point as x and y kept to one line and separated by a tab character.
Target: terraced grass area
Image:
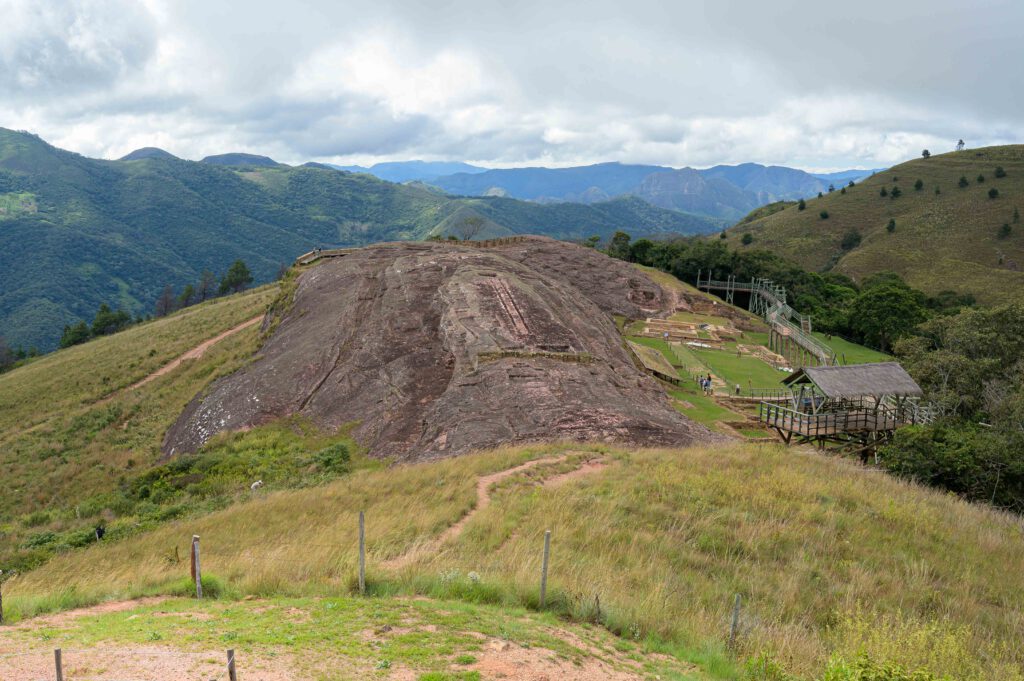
746	370
852	353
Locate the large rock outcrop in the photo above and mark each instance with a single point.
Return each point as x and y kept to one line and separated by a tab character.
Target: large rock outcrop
439	349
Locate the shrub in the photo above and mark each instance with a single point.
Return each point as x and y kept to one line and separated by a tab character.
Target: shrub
820	195
981	178
1000	172
937	190
801	205
723	235
883	192
895	193
891	227
1016	215
993	193
850	240
747	239
1004	231
851	184
963	181
823	215
842	190
863	669
919	185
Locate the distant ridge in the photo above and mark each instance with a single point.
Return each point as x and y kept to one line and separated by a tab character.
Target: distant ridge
147	152
239	159
412	171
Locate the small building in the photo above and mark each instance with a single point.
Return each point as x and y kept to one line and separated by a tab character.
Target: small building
857	406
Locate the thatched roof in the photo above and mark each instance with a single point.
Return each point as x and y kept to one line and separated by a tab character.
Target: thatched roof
858	380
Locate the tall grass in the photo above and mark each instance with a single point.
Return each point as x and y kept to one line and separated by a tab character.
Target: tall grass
831	559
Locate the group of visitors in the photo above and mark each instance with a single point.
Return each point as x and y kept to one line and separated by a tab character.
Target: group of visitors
705	385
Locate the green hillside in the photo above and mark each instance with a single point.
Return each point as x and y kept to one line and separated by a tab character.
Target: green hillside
944	237
833	561
77	232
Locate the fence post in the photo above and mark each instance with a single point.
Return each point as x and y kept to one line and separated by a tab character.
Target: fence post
735	623
58	665
231	666
544	568
362	553
197	574
1	597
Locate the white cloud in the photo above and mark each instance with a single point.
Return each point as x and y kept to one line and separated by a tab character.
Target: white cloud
682	83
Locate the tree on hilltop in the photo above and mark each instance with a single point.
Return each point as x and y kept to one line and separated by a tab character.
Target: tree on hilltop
471	227
207	282
165	303
618	247
73	335
108	321
236	279
926	154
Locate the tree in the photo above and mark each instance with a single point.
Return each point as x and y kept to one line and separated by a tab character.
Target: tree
823	215
850	240
919	185
207	280
883	192
747	239
186	297
851	184
471	227
891	227
842	190
108	321
960	145
165	303
820	195
885	312
236	279
926	154
1004	231
993	193
723	235
801	204
831	188
73	335
618	247
963	182
895	193
7	356
981	178
1000	172
592	241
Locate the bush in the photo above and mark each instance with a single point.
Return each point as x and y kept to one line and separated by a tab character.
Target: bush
891	227
1000	172
937	190
883	192
723	235
863	669
919	185
1004	231
896	193
823	215
981	178
801	205
850	240
963	182
747	239
993	193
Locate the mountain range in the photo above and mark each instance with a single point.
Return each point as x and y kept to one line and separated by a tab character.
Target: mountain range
76	232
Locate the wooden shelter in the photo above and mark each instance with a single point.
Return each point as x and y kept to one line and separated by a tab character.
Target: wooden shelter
857	406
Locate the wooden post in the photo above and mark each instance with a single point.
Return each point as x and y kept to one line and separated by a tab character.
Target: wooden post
362	553
1	597
544	569
735	623
58	665
197	573
231	666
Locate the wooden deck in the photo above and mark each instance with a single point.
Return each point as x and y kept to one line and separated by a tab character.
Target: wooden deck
788	420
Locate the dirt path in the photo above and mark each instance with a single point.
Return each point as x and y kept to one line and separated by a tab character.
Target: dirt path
483	499
195	353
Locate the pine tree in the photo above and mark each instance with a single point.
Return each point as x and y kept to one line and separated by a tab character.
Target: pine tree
165	303
236	279
73	335
187	296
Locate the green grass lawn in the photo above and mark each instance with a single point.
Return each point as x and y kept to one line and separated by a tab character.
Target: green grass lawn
746	370
852	353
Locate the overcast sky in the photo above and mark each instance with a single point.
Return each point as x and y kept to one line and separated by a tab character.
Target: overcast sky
808	84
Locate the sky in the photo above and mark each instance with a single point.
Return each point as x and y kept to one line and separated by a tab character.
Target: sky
820	86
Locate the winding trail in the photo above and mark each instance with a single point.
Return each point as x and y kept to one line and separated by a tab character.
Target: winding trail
483	499
195	353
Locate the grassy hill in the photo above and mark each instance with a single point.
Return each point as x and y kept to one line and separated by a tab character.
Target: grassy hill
76	232
949	240
832	560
